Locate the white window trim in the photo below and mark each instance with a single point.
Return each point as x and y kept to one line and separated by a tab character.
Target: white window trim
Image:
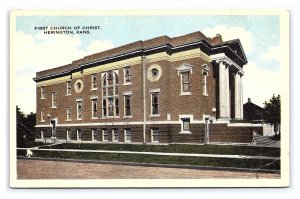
154	115
113	135
92	100
125	140
94	132
152	136
77	102
68	138
103	130
181	88
77	135
43	120
191	117
124	81
43	92
92	88
70	88
205	70
42	134
52	101
124	99
69	119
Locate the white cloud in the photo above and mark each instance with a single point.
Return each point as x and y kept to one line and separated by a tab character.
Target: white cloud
99	45
259	84
35	53
227	33
273	53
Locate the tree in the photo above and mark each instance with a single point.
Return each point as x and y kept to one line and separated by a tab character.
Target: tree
271	112
25	128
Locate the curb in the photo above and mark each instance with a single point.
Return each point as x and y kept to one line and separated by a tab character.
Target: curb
234	169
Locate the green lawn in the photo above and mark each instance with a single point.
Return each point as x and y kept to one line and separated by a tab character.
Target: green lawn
192	161
176	148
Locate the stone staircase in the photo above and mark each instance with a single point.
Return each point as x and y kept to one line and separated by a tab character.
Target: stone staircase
262	140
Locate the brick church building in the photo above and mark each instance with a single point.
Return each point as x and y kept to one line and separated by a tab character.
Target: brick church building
186	89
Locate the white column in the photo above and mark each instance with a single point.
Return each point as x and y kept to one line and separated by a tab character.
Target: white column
237	95
241	97
223	91
228	97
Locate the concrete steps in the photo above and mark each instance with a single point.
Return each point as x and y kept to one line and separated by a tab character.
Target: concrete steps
262	140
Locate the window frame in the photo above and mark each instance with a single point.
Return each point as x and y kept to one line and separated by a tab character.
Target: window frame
105	133
77	110
94	111
43	94
69	114
205	72
94	133
114	130
94	81
43	116
110	94
125	135
125	69
78	134
69	135
126	106
151	100
53	100
183	83
181	119
152	134
42	133
69	87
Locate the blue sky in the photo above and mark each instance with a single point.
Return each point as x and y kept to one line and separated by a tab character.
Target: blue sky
259	35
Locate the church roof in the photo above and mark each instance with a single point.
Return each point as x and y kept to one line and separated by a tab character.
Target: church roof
163	43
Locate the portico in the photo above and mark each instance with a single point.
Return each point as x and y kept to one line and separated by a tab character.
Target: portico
227	69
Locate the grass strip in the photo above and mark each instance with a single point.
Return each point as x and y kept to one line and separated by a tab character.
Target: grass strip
193	161
176	148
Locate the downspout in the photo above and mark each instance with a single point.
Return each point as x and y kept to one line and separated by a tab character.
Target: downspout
144	97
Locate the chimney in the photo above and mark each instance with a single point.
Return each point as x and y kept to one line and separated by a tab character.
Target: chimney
217	39
249	100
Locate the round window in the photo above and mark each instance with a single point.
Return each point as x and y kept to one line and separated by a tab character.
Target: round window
154	73
78	86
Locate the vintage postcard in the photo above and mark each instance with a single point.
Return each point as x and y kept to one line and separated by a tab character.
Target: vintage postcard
171	98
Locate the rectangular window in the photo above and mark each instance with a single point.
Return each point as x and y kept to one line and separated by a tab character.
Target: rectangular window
186	124
94	135
53	100
68	134
127	135
94	108
116	106
115	135
69	113
94	81
42	116
79	109
110	106
42	92
42	134
78	134
69	87
154	104
155	134
104	107
185	82
127	75
105	135
205	70
127	104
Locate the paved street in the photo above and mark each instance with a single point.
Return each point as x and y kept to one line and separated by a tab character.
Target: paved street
39	169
